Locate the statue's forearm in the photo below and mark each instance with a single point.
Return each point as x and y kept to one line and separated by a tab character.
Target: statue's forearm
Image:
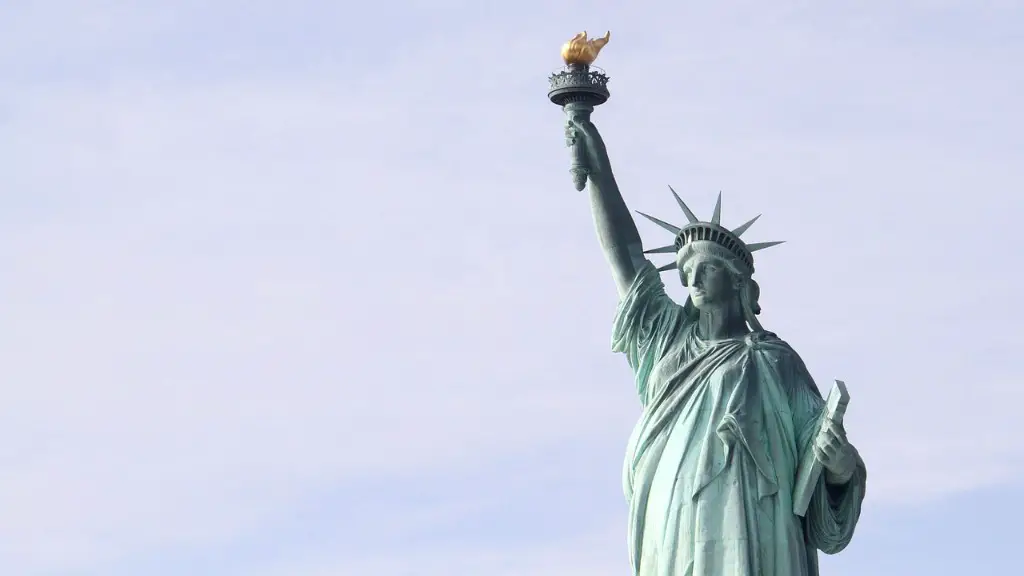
616	230
615	227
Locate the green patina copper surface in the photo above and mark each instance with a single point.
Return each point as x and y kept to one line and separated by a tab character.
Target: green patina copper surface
729	409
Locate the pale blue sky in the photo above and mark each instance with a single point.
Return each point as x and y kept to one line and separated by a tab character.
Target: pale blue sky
303	288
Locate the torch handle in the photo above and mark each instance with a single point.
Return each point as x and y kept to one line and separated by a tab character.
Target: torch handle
578	154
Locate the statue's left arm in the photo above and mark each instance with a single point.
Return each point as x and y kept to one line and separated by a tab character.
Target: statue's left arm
835	505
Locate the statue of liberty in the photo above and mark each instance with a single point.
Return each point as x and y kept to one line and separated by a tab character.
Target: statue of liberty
729	409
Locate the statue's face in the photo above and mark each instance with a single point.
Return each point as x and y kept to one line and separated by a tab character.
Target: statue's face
709	281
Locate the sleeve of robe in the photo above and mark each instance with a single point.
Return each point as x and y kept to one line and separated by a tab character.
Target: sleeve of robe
833	510
646	323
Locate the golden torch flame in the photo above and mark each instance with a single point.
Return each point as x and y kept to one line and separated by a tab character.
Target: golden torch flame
579	50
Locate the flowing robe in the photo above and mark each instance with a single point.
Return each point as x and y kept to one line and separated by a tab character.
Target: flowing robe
711	465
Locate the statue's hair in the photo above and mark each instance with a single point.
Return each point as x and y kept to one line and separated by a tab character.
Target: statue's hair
716	251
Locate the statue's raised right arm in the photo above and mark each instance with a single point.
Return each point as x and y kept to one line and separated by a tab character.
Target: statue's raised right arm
616	229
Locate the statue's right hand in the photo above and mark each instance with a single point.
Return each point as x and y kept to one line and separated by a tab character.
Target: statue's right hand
583	132
572	133
584	129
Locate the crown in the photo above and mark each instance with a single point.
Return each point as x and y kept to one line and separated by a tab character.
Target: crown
700	231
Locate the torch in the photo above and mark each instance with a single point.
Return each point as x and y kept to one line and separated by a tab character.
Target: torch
577	89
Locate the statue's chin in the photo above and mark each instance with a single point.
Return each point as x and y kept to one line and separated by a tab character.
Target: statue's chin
703	304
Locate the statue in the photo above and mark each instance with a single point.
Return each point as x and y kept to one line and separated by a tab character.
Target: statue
723	472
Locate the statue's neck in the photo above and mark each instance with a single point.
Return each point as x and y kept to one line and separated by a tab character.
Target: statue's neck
721	323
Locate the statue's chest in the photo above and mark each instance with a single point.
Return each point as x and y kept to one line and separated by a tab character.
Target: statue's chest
700	370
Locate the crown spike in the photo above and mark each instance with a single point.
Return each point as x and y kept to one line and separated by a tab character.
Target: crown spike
716	218
743	228
686	209
762	245
662	250
667	267
661	223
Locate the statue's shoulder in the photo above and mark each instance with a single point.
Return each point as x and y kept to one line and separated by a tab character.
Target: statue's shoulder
781	357
771	346
763	338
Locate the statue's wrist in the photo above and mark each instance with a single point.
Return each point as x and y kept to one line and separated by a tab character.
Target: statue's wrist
844	477
834	479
